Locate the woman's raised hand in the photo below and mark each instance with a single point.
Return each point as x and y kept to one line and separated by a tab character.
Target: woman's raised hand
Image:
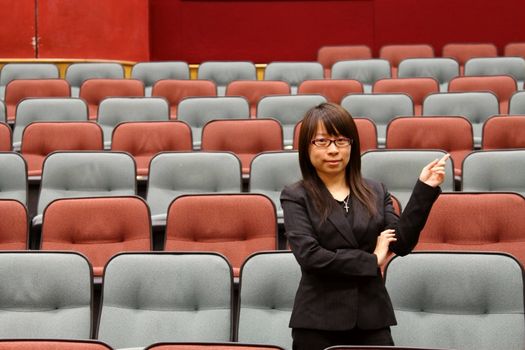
433	174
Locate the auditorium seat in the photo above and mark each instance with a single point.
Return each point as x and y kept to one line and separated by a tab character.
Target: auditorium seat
13	71
244	137
513	66
210	346
440	68
143	140
5	138
161	297
14	225
52	344
3	112
378	347
17	90
396	53
47	109
197	111
517	103
173	174
452	134
113	111
254	90
329	55
380	108
514	50
416	88
294	73
224	72
93	91
151	72
97	227
13	177
457	300
400	169
462	52
267	286
77	73
235	225
42	138
332	89
45	295
288	110
365	71
503	86
475	106
175	91
503	132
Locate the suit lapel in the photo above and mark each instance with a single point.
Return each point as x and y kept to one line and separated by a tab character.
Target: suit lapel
340	221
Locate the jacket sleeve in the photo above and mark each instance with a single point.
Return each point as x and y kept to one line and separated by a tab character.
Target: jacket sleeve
310	254
413	218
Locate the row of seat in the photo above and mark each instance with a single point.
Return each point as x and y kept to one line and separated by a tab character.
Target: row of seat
441	300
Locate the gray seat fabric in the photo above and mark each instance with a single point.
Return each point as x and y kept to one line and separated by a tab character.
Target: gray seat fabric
365	71
12	71
380	108
499	170
197	111
224	72
399	170
457	301
13	177
77	73
2	112
173	174
150	298
270	172
85	174
513	66
288	110
47	109
517	103
115	110
441	69
477	107
294	73
45	295
268	284
151	72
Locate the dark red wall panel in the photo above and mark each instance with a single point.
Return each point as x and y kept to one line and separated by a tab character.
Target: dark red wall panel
17	28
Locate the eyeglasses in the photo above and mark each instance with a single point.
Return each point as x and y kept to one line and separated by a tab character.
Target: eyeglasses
339	142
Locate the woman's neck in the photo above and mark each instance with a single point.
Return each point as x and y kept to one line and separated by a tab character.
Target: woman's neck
336	185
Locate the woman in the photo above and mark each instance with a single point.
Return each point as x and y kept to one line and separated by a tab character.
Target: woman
341	229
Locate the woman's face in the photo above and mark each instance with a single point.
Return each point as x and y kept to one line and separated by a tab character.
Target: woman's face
329	161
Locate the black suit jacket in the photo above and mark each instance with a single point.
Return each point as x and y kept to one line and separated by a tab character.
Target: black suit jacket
341	285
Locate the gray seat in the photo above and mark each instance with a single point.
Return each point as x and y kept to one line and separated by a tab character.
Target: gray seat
270	172
513	66
3	112
288	110
365	71
173	174
268	283
441	69
161	297
197	111
294	73
400	169
380	108
477	107
517	103
470	301
77	73
45	295
12	71
115	110
498	170
224	72
13	177
151	72
85	174
47	109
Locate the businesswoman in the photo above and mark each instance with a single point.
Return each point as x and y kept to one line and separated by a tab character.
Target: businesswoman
341	229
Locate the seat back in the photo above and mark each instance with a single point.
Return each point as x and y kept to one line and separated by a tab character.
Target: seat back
254	90
175	91
267	288
514	50
159	297
457	300
97	227
440	68
53	344
13	177
151	72
77	73
513	66
3	112
397	53
235	225
13	71
45	295
294	73
143	140
503	132
224	72
14	225
333	90
465	51
5	138
365	71
417	88
329	55
517	103
214	346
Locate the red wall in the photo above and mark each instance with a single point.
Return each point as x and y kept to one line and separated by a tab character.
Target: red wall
17	28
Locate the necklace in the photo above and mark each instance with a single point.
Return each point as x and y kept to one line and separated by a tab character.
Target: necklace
345	201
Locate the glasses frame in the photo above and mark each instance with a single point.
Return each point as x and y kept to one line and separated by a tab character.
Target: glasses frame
334	141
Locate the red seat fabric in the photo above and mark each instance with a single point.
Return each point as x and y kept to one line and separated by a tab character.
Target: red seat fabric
463	52
416	88
54	344
333	89
254	90
14	225
6	137
503	132
328	55
396	53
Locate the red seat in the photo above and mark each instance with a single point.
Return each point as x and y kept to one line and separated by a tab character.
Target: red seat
416	88
254	90
6	138
333	89
463	52
515	50
396	53
52	344
14	225
328	55
501	132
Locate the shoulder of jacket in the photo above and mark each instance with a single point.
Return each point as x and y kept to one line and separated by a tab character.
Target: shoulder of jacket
293	191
